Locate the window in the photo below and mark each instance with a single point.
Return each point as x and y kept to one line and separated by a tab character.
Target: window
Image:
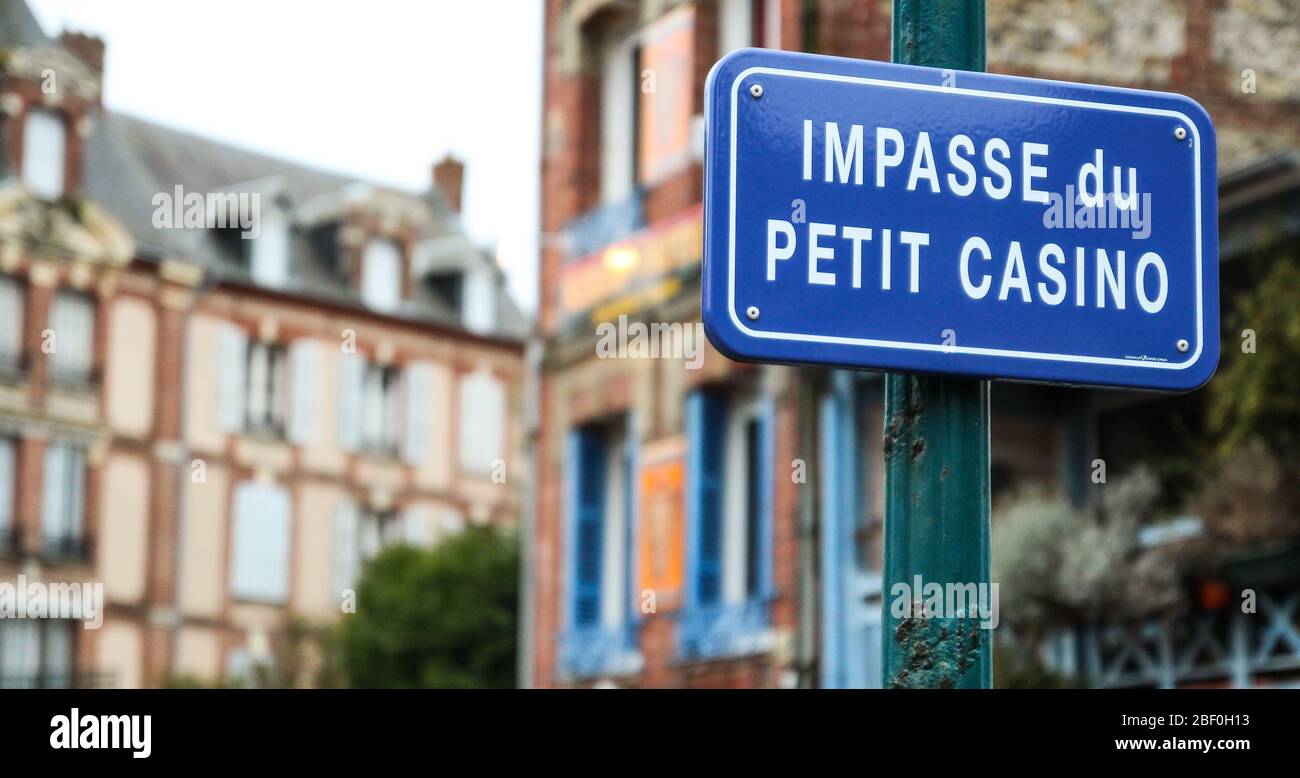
8	480
266	388
267	396
63	501
619	88
361	533
259	562
482	421
379	430
36	654
44	146
381	275
11	326
384	410
73	321
729	498
269	252
601	513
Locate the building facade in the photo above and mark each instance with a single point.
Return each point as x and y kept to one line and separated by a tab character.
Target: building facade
700	522
225	381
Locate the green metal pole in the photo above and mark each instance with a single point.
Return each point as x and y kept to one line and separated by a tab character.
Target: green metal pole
936	445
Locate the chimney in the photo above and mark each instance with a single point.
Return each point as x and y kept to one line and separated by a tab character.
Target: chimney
448	176
87	48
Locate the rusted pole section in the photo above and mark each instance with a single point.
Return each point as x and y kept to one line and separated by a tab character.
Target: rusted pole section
936	444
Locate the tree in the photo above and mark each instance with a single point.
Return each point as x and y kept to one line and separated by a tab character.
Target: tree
438	618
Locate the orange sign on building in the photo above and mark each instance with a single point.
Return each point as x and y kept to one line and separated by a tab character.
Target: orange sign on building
662	526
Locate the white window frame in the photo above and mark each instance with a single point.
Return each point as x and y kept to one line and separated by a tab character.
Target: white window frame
380	409
45	149
266	395
72	319
742	411
63	496
618	117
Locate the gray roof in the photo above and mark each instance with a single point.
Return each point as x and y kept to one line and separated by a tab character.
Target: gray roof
129	160
18	27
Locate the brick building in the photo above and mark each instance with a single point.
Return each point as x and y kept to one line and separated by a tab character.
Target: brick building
721	526
225	381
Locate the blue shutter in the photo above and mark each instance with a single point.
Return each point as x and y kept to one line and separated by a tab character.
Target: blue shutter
705	428
587	455
766	484
630	496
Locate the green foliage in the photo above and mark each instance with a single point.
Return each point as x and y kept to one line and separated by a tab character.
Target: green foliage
437	618
1257	396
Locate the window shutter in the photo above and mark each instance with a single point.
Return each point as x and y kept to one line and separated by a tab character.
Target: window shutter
7	481
75	489
588	502
54	493
58	654
270	251
347	549
352	369
706	427
482	421
304	361
260	558
415	528
381	275
232	355
418	380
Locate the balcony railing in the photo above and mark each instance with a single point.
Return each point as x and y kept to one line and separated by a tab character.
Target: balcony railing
55	680
724	629
74	379
1215	647
77	547
588	652
604	225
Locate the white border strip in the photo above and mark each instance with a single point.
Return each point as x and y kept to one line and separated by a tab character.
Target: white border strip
989	352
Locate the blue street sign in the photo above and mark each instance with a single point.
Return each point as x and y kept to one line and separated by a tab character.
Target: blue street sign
882	216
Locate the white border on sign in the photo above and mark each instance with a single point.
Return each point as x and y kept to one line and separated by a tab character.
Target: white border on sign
991	352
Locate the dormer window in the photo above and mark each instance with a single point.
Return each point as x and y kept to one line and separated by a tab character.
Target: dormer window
381	275
44	147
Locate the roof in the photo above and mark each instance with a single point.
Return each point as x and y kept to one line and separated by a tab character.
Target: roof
18	27
129	161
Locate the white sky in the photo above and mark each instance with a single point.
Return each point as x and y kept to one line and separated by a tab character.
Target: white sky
379	89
